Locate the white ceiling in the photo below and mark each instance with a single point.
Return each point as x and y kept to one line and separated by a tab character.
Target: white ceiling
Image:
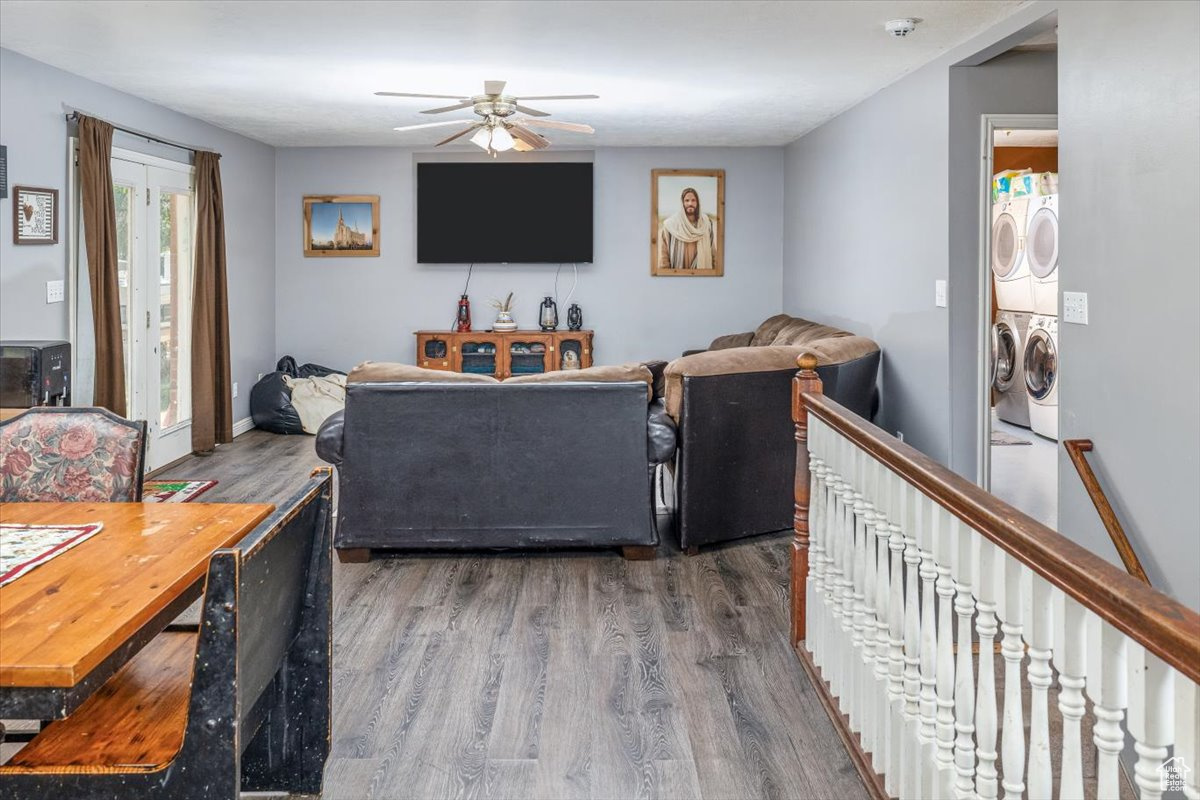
668	73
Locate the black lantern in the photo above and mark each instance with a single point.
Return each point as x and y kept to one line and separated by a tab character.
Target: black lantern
574	317
548	316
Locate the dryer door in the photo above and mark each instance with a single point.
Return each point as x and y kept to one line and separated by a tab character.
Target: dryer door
1041	364
1004	356
1041	242
1006	246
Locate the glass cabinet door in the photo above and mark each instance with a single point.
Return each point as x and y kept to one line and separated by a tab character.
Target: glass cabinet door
478	356
574	352
433	352
527	355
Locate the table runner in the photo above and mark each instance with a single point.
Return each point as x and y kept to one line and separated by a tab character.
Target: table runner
23	547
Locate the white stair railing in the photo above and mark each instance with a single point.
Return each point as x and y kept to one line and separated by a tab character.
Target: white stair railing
906	576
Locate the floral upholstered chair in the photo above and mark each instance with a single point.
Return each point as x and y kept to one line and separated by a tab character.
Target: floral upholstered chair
71	455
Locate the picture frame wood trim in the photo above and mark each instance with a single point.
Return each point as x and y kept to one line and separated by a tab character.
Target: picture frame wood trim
312	199
17	191
718	270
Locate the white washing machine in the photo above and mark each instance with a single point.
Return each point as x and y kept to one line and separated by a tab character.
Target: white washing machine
1009	266
1008	367
1041	252
1041	374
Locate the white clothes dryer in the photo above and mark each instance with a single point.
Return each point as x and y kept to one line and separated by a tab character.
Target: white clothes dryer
1041	252
1008	367
1041	374
1009	268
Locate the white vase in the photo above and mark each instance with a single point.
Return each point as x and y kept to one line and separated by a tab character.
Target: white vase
504	322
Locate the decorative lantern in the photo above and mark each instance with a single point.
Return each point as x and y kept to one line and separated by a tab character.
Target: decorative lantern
574	317
548	317
463	318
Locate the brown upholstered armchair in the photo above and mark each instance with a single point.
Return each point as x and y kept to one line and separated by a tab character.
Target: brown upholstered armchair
71	455
735	463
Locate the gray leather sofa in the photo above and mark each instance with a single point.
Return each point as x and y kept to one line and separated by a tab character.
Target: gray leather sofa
450	461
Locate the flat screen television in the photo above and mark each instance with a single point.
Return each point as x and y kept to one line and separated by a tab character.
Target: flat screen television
504	213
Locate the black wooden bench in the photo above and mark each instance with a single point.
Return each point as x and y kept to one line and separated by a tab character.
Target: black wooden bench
242	704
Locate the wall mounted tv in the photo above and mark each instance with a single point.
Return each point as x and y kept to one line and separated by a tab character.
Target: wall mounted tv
504	213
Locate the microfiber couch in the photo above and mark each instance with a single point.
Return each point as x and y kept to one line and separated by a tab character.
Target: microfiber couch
430	460
736	461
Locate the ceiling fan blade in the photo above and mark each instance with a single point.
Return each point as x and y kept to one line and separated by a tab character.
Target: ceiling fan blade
463	132
563	97
444	109
527	136
434	96
434	124
578	127
533	112
493	87
520	146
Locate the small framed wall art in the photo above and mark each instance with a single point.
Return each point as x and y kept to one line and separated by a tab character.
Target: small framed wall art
687	222
35	215
341	225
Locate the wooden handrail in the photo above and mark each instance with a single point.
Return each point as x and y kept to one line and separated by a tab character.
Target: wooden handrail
1133	565
1165	627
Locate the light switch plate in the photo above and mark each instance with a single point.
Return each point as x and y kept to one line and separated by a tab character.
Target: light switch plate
939	294
1075	307
54	291
235	388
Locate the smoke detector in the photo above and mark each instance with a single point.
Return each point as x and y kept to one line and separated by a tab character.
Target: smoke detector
900	28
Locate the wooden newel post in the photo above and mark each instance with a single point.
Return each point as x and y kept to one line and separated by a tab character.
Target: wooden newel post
806	382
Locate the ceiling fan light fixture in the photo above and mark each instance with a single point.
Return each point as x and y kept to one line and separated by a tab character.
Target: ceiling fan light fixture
482	138
501	139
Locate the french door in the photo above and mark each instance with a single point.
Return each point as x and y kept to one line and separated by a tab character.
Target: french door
155	209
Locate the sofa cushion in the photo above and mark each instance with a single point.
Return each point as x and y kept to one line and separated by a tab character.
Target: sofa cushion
615	373
800	332
766	332
737	360
387	372
732	340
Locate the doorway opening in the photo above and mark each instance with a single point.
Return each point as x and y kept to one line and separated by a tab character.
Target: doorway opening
1020	307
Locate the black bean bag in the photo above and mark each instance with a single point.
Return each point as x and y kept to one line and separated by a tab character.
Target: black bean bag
271	398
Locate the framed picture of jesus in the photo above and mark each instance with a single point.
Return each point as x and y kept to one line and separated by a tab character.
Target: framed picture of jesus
687	222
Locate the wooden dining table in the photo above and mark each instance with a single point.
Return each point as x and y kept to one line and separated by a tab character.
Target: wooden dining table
68	624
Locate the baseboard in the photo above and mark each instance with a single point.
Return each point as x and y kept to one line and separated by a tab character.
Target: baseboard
242	426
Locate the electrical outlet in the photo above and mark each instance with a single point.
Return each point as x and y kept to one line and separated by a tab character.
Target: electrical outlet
1075	307
235	388
54	291
900	435
260	376
939	294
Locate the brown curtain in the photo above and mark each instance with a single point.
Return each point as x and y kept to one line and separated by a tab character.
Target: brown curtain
100	241
212	401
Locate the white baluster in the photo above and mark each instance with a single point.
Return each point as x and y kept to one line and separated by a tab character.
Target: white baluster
990	561
833	580
814	587
1187	733
858	565
867	689
964	684
943	549
1107	682
883	615
1039	635
911	753
846	553
892	776
1151	717
1012	737
1070	659
927	732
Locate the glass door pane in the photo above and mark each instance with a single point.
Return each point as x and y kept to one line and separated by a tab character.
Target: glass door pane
174	307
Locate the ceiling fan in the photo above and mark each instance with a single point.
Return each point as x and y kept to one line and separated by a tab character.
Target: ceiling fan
498	129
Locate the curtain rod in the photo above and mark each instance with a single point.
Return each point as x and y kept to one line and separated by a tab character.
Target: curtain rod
74	116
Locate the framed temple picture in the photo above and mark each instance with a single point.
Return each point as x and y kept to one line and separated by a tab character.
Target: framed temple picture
687	222
341	225
35	215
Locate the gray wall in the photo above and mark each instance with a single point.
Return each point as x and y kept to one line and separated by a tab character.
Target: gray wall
1129	157
340	311
867	233
32	100
1013	83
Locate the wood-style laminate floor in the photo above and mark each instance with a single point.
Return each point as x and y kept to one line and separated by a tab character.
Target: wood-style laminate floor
566	674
